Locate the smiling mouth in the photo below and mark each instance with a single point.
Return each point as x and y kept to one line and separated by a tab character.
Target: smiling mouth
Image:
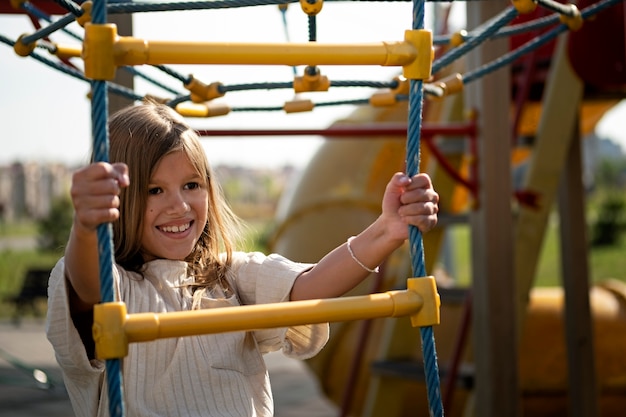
175	229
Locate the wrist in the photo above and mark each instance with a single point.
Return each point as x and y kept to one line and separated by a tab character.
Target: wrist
375	270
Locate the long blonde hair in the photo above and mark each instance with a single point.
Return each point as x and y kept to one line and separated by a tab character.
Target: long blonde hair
140	136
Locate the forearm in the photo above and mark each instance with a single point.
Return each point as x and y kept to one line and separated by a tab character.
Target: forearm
338	273
81	268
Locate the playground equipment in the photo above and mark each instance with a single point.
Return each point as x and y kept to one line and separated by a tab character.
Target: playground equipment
351	197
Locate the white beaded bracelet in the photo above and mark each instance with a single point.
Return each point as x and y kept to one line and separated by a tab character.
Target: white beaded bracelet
375	270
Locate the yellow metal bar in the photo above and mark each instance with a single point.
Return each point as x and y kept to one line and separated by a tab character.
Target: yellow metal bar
149	326
133	51
114	329
104	50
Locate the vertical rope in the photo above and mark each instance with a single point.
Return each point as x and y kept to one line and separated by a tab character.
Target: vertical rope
99	117
429	353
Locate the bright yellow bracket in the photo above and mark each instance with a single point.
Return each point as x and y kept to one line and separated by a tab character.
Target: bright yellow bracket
298	106
114	329
311	8
389	98
451	84
573	22
104	51
201	92
311	82
524	6
202	109
23	49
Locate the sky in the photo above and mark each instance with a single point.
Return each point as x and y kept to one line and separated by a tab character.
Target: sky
46	114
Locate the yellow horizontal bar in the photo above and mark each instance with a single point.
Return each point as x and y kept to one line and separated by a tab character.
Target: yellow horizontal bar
143	327
103	51
133	51
114	329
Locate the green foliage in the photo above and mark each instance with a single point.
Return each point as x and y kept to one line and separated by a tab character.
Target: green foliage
54	229
610	173
610	221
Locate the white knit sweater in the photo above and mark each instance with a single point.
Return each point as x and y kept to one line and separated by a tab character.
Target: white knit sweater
207	375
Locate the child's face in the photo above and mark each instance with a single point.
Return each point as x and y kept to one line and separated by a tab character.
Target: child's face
176	209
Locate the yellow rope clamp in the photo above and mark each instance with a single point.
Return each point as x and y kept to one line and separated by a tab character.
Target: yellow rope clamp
389	98
114	329
451	84
67	51
458	38
574	22
298	106
86	16
311	82
202	110
17	4
524	6
201	92
311	8
23	49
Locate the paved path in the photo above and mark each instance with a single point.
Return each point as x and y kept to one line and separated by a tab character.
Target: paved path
25	348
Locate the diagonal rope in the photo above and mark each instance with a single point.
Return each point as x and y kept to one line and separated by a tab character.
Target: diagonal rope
490	28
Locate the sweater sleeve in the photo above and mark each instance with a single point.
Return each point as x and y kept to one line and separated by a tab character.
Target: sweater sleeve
83	377
261	279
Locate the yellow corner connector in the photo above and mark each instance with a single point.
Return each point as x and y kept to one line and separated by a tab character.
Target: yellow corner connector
298	106
524	6
23	49
458	38
451	84
201	92
202	110
311	82
429	314
86	16
98	51
312	7
420	68
109	334
573	22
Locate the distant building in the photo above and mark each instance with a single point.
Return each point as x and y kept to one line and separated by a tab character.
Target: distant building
28	189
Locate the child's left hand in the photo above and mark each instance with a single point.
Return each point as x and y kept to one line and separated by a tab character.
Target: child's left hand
409	201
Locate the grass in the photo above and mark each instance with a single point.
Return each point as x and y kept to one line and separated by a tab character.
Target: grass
13	267
604	262
18	228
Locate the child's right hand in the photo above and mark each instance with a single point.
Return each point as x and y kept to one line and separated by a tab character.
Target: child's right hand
95	193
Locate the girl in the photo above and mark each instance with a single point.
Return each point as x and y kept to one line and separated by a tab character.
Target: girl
173	240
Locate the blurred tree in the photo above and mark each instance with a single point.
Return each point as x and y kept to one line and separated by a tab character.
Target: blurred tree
54	229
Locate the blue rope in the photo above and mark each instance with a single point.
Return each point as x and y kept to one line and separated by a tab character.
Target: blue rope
99	116
532	44
489	29
190	5
44	32
429	353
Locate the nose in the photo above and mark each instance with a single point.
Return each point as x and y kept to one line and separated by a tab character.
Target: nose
178	205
